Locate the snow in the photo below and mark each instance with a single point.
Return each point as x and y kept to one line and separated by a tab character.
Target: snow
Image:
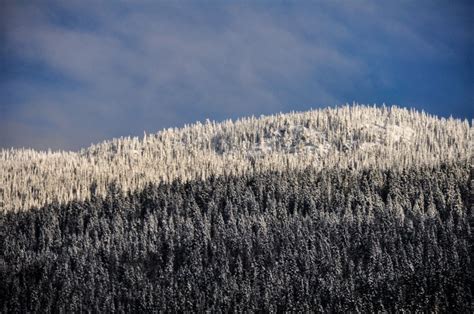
347	137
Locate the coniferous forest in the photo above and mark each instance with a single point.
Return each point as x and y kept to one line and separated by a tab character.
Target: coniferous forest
352	209
278	241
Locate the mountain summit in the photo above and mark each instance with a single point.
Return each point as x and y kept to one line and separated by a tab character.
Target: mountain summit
351	209
347	137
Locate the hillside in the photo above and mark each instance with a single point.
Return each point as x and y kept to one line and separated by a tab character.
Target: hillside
351	209
348	137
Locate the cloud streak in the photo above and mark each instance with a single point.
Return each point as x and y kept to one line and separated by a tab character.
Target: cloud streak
95	71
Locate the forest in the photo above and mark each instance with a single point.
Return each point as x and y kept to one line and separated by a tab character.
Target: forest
330	240
346	137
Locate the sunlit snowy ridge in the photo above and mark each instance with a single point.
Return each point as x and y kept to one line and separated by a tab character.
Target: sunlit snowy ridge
347	137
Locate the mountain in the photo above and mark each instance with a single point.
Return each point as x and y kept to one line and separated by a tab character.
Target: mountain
351	209
348	137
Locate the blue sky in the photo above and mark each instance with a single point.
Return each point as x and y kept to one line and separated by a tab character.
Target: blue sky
78	72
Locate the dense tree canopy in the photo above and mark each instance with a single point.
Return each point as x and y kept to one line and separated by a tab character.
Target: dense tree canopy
331	240
348	137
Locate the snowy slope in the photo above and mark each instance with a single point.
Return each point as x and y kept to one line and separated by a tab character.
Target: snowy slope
353	137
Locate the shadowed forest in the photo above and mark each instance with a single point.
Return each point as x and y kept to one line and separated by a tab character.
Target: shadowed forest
369	240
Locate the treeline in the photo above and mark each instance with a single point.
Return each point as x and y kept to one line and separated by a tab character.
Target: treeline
330	241
345	137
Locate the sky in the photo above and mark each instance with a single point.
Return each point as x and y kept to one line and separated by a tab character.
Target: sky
74	73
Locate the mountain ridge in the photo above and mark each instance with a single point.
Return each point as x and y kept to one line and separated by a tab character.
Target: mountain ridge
351	137
335	210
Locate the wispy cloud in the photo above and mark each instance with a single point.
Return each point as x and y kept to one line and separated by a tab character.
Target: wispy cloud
118	68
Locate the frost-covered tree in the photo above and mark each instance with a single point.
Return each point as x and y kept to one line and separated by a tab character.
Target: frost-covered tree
347	137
